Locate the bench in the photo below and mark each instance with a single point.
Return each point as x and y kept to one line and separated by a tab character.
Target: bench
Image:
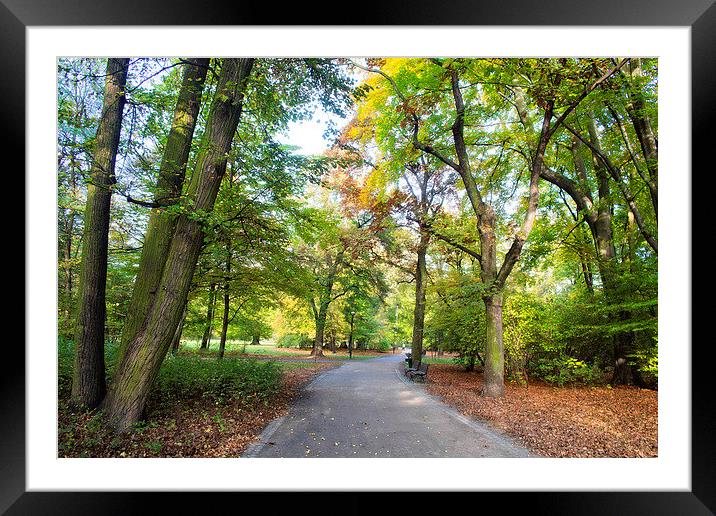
418	374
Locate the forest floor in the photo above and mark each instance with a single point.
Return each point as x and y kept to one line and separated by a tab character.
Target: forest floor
558	421
185	428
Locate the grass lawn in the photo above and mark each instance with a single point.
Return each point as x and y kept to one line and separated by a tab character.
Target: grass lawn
439	360
236	348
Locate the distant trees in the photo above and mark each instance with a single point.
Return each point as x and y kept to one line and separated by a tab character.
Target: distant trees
336	262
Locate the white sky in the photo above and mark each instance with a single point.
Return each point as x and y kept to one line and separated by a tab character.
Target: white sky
308	134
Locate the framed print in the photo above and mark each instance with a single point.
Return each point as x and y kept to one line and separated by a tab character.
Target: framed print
35	35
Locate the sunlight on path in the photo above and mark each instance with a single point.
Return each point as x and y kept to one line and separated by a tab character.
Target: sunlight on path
367	409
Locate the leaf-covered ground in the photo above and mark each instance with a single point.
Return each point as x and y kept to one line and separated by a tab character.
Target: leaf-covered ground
558	421
185	428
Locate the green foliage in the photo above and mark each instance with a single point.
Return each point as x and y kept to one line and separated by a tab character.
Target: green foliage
564	370
456	320
294	340
217	380
65	362
191	377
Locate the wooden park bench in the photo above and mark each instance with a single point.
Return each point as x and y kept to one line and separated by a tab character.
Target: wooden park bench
418	374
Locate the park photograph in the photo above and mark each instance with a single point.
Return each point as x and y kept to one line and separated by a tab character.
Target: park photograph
357	257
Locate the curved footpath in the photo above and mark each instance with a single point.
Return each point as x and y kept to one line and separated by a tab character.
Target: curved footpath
368	408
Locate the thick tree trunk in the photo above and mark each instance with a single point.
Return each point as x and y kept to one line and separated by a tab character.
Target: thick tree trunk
140	364
494	350
421	281
320	331
169	186
494	355
255	340
603	236
88	381
206	338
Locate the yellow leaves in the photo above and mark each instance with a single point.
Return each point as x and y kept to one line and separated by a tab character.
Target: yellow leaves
374	187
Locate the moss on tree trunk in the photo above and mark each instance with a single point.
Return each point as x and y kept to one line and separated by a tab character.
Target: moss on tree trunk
169	187
139	366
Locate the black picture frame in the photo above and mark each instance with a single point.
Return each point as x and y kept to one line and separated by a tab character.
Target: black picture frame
700	15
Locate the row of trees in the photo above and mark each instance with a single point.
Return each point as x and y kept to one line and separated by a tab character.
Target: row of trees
180	212
206	151
580	134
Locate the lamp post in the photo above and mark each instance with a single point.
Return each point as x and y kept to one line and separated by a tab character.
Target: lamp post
350	339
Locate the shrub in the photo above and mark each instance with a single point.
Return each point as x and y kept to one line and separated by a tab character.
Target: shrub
217	380
468	355
565	369
191	377
295	340
646	360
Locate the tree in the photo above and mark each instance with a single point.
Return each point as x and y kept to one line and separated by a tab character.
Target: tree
88	382
79	100
598	132
140	363
170	180
548	89
210	305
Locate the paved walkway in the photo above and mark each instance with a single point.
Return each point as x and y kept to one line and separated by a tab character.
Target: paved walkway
368	409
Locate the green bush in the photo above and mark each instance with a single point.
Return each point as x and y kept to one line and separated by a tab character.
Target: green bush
380	345
646	360
564	369
468	355
190	377
295	340
217	380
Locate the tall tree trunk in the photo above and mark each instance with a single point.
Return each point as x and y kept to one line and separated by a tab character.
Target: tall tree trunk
88	381
206	338
607	257
140	364
320	313
494	370
169	187
421	281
